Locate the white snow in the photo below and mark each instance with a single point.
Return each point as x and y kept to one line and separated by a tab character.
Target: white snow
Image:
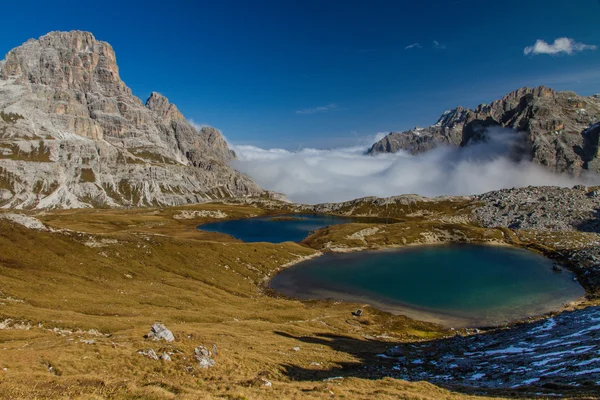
509	350
588	371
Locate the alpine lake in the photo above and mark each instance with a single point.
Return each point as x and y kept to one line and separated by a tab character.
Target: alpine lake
457	285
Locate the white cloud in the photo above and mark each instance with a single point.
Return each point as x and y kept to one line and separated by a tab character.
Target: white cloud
560	45
196	125
316	176
379	135
413	46
438	45
315	110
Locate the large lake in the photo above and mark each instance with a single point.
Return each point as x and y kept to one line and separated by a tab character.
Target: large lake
456	285
275	229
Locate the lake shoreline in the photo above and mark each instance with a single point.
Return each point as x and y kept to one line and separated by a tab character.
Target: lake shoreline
422	314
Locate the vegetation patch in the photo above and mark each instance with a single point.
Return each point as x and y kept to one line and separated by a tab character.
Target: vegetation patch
87	175
146	156
45	188
10	117
41	153
129	192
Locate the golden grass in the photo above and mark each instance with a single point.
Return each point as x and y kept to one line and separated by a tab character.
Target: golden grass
119	271
376	236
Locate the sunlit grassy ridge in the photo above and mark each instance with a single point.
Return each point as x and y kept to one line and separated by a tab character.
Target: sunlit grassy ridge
107	275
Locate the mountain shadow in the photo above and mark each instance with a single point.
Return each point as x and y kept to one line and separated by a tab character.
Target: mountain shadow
590	225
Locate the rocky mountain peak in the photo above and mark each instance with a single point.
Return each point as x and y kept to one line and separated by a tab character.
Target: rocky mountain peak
560	129
73	135
68	60
159	105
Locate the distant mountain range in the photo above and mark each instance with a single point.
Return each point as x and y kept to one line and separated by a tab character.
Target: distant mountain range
561	129
73	135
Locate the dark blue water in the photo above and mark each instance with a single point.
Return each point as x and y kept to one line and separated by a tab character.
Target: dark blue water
479	285
274	229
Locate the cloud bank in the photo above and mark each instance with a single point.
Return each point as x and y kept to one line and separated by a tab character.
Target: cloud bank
317	176
413	46
560	46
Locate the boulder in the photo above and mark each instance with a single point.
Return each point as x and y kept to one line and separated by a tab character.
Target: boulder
204	357
160	332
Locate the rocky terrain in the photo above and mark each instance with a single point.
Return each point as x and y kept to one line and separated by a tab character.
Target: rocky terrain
73	135
546	208
553	355
560	129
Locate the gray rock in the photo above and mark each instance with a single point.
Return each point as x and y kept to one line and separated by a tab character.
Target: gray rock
24	220
149	353
73	135
165	357
204	357
160	332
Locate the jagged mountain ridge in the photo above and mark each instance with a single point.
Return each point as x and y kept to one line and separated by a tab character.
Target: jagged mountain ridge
561	129
72	134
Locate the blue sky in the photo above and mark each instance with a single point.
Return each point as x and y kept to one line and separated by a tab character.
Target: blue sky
325	74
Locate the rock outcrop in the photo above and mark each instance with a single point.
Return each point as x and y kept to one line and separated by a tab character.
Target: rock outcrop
73	135
561	129
160	332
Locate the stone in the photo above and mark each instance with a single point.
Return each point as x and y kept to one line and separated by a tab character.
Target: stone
73	135
160	332
149	353
358	313
266	383
204	357
165	357
557	268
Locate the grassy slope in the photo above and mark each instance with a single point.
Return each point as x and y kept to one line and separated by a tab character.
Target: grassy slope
205	287
126	269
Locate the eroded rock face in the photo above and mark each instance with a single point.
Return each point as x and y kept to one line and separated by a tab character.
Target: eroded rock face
73	135
561	129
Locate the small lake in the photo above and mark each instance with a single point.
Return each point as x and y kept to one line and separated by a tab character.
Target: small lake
275	228
456	285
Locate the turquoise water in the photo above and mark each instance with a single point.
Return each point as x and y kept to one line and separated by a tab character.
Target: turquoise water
274	229
474	285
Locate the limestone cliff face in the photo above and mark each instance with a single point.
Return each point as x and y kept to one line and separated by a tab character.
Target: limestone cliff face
73	135
561	129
